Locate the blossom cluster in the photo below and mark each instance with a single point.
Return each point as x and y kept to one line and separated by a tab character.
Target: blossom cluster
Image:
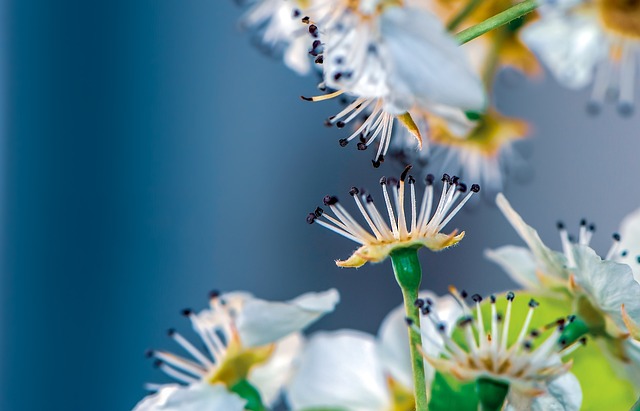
416	95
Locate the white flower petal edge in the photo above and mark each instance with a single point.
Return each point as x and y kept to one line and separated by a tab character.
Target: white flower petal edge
630	234
563	394
340	369
393	339
518	262
262	322
554	262
426	63
570	45
270	377
195	397
610	284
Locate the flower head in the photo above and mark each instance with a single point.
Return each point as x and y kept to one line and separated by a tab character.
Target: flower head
419	229
244	338
585	41
389	58
488	352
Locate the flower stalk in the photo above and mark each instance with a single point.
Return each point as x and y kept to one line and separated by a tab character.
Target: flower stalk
496	21
406	268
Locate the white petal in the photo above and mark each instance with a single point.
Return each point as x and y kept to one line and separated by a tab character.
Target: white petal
393	339
609	284
552	263
340	369
563	394
269	378
632	350
262	322
570	45
196	397
426	64
518	262
630	242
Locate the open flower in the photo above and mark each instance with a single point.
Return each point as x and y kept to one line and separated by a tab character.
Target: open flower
244	339
479	150
354	371
390	58
420	229
279	30
603	292
535	377
585	41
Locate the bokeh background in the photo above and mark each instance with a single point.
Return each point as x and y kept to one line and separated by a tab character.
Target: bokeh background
150	154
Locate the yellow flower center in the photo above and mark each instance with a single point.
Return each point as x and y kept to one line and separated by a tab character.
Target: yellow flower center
238	361
621	17
402	397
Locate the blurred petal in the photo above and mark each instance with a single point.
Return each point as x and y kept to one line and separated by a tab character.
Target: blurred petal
262	322
563	394
518	262
630	242
195	397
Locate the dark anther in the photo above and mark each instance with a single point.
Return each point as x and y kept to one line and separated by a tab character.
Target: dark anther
560	225
311	218
442	327
383	180
318	212
466	320
171	332
330	200
499	317
403	176
214	294
319	60
429	179
187	312
624	253
571	318
340	124
510	296
562	342
476	298
527	345
493	298
583	222
616	237
534	333
313	30
337	76
369	199
561	322
305	19
354	191
465	294
426	310
411	180
296	13
316	44
475	188
157	363
375	163
455	180
533	303
429	301
392	181
148	353
361	146
343	142
446	178
409	321
638	259
418	303
583	340
592	227
306	98
462	187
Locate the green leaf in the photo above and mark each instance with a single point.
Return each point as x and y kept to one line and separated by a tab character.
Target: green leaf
447	394
247	391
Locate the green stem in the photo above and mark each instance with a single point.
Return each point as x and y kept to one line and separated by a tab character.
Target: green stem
463	14
406	267
498	20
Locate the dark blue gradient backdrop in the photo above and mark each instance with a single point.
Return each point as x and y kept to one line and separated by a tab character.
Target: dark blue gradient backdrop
150	154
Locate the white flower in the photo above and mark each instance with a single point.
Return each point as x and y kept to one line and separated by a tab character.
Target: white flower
533	375
630	242
391	58
279	29
589	41
245	338
420	229
479	150
354	371
195	397
603	292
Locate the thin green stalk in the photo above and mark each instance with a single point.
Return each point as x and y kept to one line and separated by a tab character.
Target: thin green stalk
406	267
498	20
463	14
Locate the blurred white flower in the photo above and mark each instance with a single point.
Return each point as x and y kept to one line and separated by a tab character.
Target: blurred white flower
245	338
604	292
424	229
354	371
391	58
536	378
279	29
589	41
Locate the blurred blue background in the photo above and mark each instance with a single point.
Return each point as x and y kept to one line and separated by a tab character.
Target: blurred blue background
150	154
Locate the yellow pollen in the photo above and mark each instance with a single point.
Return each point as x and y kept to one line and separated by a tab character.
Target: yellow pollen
621	17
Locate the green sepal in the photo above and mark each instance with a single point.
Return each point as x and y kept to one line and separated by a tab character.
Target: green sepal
574	330
473	115
492	393
447	393
248	392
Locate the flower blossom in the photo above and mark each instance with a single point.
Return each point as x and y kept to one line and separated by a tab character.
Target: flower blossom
419	229
589	41
389	57
244	339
